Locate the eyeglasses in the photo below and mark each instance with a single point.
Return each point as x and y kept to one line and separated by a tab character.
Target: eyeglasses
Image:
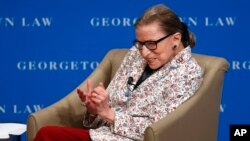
151	45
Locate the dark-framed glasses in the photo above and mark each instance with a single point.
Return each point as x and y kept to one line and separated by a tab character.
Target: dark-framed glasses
151	45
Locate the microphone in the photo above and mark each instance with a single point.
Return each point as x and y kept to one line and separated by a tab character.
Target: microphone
130	80
130	85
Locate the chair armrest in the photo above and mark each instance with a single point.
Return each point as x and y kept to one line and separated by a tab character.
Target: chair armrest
68	111
63	113
187	121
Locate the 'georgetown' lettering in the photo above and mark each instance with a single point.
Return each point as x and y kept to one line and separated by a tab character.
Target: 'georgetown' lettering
240	65
53	65
114	21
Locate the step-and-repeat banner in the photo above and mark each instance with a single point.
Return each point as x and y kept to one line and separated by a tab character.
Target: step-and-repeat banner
47	48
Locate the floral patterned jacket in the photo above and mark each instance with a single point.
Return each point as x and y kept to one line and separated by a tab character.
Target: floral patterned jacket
153	99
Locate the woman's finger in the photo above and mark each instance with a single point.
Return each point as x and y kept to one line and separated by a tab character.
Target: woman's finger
96	100
81	95
100	90
90	86
101	85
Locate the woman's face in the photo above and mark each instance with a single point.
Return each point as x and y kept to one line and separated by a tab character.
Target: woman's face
164	51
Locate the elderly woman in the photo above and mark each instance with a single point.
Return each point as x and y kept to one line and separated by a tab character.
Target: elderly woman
156	76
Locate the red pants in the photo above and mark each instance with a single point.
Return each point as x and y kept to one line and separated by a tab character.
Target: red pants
57	133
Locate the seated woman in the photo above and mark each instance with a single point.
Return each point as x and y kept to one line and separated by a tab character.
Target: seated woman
156	76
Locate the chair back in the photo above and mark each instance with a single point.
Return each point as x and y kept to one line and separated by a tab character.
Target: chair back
197	118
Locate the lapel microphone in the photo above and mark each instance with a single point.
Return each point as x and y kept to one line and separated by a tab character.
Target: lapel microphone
130	80
129	84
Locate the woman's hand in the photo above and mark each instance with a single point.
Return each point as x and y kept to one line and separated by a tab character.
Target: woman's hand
97	101
86	97
100	98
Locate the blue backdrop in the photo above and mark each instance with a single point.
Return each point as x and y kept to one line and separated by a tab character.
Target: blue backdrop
47	48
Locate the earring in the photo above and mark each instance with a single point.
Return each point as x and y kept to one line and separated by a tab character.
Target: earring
174	47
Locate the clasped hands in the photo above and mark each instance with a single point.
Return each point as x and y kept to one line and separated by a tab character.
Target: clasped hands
96	101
